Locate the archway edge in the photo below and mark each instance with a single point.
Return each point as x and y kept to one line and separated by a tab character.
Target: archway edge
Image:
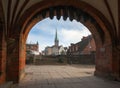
102	62
97	15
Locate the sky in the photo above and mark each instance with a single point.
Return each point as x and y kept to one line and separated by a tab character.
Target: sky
68	32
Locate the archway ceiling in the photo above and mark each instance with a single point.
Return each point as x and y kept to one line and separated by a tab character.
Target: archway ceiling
13	9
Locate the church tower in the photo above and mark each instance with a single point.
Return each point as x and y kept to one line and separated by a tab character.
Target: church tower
56	39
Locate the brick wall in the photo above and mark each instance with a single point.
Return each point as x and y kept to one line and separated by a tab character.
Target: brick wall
116	63
91	47
85	46
2	56
81	59
12	59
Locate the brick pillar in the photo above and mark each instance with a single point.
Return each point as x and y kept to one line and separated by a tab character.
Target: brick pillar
13	59
116	63
22	54
2	56
104	61
16	55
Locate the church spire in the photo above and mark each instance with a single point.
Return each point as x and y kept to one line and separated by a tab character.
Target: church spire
56	39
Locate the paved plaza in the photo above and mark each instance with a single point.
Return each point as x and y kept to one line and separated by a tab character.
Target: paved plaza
64	76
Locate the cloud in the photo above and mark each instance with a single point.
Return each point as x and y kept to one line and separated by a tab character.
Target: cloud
48	25
72	36
42	40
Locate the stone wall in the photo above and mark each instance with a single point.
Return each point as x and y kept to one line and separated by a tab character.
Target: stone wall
81	59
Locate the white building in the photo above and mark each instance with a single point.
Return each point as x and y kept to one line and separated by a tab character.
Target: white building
32	49
55	49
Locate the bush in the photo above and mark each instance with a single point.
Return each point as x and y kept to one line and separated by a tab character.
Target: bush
60	60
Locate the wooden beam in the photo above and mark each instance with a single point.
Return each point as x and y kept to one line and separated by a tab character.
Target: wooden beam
65	13
58	12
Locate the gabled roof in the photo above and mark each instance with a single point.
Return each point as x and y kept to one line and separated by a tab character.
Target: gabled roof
85	41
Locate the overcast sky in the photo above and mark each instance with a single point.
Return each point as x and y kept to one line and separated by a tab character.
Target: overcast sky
68	32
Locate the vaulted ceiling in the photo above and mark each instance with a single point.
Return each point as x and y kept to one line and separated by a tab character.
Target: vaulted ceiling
12	10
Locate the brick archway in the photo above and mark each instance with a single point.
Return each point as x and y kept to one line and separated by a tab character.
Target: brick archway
91	18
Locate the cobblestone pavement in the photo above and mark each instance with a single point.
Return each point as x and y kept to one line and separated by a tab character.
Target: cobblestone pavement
65	76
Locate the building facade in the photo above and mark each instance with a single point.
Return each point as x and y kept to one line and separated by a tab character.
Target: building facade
32	49
55	49
85	46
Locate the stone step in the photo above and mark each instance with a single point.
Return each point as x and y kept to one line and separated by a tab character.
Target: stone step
6	85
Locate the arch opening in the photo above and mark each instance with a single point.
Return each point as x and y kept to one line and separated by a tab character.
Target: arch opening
39	28
67	11
69	32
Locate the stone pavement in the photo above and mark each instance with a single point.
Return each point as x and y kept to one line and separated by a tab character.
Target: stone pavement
65	76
